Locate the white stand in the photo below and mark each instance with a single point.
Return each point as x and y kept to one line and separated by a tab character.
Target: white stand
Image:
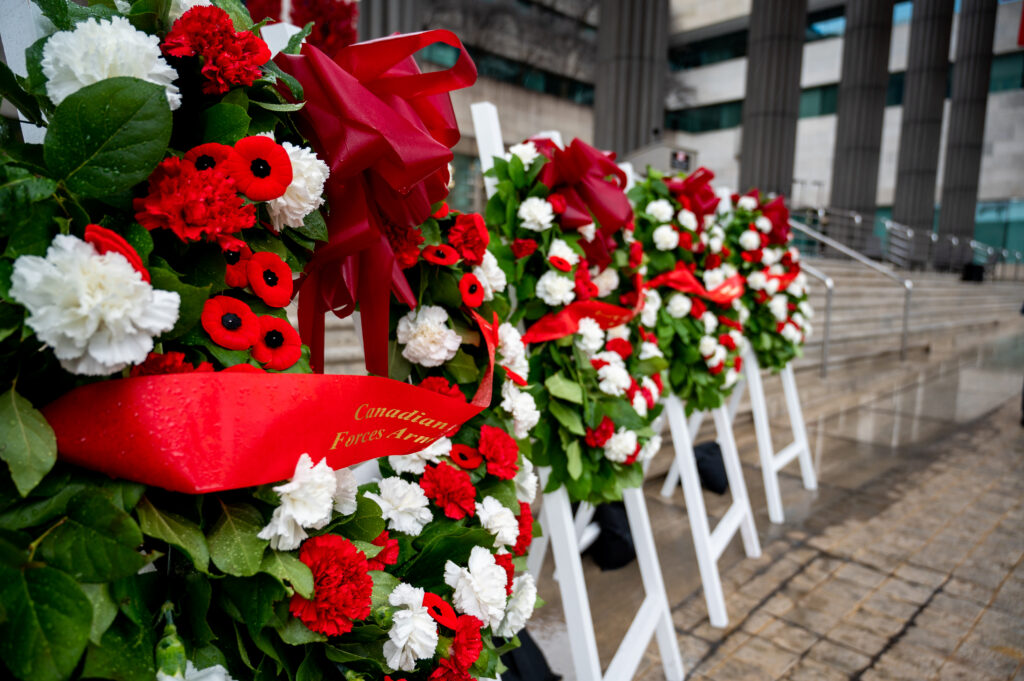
710	544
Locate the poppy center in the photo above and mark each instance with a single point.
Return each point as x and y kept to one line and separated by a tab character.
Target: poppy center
232	257
231	321
270	277
274	339
205	161
473	288
260	168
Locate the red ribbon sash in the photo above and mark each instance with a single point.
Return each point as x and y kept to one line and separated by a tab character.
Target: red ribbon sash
566	321
683	280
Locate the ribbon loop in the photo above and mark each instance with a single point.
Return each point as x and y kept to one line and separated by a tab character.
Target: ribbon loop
683	280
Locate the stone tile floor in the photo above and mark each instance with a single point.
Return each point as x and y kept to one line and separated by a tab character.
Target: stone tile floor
907	563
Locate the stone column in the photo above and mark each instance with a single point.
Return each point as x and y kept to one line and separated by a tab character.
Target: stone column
379	18
964	138
924	93
774	54
632	58
860	115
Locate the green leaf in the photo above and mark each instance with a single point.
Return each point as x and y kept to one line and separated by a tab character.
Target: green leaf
225	123
56	11
502	490
176	531
104	609
46	623
560	386
108	136
139	238
574	462
125	654
294	87
254	598
234	546
313	226
289	571
11	90
239	14
463	368
27	442
365	524
96	542
278	106
294	45
567	416
383	584
427	568
295	633
192	299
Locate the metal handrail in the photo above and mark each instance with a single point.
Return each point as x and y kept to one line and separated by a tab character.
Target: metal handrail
908	285
830	287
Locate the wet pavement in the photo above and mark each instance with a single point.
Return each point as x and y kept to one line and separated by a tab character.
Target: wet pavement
906	563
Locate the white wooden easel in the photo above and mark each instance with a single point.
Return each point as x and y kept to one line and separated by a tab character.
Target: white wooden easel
654	618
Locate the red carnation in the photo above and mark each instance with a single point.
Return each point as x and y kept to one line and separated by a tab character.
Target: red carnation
752	256
585	286
449	670
597	437
686	241
168	363
560	263
278	346
636	254
440	385
731	323
717	369
525	537
698	309
440	255
598	364
522	248
229	58
270	278
471	289
342	586
441	212
107	241
466	645
761	297
404	242
469	237
465	457
737	363
501	452
230	323
505	561
191	203
621	346
450	489
727	341
261	168
656	379
209	155
236	253
631	459
388	554
558	203
712	261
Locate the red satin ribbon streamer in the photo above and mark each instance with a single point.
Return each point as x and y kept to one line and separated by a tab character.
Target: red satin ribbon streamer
566	321
695	192
683	280
385	130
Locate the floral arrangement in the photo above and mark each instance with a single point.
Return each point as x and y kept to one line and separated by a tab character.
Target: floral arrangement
563	265
155	235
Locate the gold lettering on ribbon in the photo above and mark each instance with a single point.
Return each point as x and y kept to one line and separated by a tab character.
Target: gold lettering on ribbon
366	411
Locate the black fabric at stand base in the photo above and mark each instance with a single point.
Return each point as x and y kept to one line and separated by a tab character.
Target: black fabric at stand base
613	548
710	467
527	663
973	272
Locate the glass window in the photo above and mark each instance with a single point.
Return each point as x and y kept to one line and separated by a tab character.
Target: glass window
439	53
463	196
901	12
706	118
826	23
818	101
1007	72
894	91
709	51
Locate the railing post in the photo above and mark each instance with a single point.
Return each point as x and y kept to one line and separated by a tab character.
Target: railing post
829	289
908	287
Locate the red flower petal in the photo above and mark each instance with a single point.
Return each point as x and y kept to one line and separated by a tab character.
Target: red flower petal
388	554
465	457
168	363
440	212
343	585
621	346
261	168
467	645
209	155
440	255
450	489
469	236
278	346
230	323
236	253
270	278
471	289
525	537
523	248
107	241
440	385
597	437
440	609
560	263
558	203
501	452
636	254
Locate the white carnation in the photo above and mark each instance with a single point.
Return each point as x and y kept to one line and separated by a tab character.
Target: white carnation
798	319
749	240
791	333
413	633
707	346
649	350
715	244
613	379
650	448
403	504
771	256
610	357
713	278
747	203
606	280
561	249
742	310
520	606
590	336
555	289
522	407
307	500
738	338
304	194
763	224
717	357
499	520
806	310
757	280
179	7
526	481
679	305
428	340
491	276
588	232
639	404
779	306
688	219
620	331
731	376
98	50
628	236
660	209
621	445
94	310
346	491
652	303
480	588
416	462
214	673
535	214
525	151
710	322
666	238
794	253
512	350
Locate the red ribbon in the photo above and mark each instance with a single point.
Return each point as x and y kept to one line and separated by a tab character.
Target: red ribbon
566	321
385	130
683	280
784	279
776	211
694	192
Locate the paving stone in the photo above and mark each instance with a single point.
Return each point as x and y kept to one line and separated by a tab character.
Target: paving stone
988	659
738	670
812	670
881	625
962	608
920	575
766	656
953	671
756	621
858	638
906	591
789	636
937	641
891	606
962	588
861	574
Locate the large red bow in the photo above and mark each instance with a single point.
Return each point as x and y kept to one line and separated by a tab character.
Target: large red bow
385	130
695	194
682	279
776	211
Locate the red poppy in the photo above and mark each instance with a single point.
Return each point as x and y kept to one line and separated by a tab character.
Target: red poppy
698	308
388	554
441	212
558	204
712	261
342	585
209	155
236	254
107	241
522	248
597	437
471	289
230	323
514	377
261	168
727	341
621	346
469	236
449	670
450	489
270	278
466	645
501	452
465	457
560	263
278	346
636	254
525	537
228	58
505	561
168	363
191	203
440	609
242	369
440	385
440	255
